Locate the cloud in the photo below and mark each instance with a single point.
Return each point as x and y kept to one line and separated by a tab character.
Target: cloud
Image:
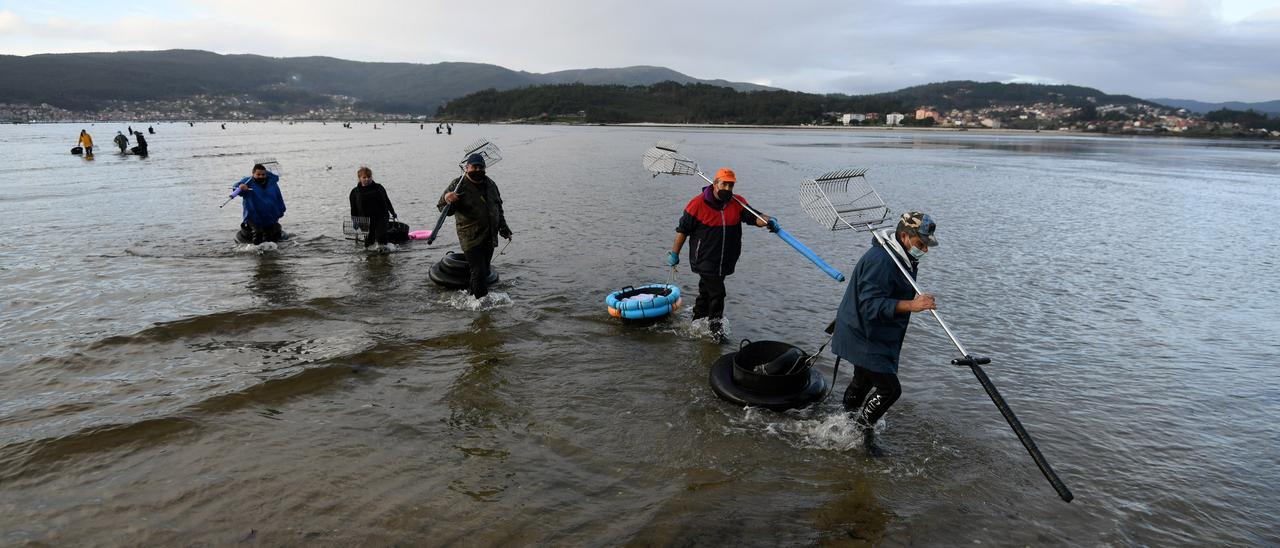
9	22
1140	47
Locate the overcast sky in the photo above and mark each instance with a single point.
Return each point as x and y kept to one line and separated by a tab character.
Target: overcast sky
1191	49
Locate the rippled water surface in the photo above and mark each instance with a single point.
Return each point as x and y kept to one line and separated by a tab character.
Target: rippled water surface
159	385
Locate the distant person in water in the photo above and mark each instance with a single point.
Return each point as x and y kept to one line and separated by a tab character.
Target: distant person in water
122	142
449	129
86	141
151	130
224	126
141	149
370	204
130	130
263	207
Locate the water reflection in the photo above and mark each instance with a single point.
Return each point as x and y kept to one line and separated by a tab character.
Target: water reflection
274	281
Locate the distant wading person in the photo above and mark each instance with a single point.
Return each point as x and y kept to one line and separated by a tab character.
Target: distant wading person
369	203
86	141
873	317
141	148
122	142
263	207
477	212
711	222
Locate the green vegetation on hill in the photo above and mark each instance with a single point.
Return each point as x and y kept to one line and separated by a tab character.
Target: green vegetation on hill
665	102
670	102
969	95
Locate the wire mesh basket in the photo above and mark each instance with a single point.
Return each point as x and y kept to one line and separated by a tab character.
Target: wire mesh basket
487	150
355	228
842	200
664	159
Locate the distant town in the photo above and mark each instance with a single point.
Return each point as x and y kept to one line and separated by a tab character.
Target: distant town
1041	116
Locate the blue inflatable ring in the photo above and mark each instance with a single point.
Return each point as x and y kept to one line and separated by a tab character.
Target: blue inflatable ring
666	298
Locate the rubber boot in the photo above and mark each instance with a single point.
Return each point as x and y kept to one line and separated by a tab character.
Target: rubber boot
870	444
717	331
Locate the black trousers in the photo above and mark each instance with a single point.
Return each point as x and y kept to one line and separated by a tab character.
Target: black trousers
887	391
710	301
478	260
255	234
377	231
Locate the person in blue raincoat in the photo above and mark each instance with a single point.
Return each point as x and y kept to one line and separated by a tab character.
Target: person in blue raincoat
873	317
263	207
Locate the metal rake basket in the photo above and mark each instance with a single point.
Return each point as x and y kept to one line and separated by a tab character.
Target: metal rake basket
843	199
487	150
663	159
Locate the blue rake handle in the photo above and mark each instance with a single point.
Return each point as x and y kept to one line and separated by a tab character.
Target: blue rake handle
809	254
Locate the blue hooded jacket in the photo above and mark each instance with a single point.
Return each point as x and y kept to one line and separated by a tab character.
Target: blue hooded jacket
263	205
868	333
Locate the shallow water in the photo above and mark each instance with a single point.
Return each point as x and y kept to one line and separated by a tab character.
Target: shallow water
162	385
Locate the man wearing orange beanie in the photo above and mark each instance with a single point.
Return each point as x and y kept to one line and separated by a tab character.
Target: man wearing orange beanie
712	223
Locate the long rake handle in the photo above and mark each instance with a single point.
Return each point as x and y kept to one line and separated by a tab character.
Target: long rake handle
987	385
444	213
791	241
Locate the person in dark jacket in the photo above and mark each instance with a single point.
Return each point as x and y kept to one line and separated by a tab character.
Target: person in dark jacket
478	215
712	223
369	202
263	206
122	142
141	148
873	317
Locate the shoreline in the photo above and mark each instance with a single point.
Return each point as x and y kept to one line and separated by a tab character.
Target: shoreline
882	129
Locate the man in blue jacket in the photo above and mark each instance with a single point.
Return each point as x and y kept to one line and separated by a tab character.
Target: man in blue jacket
873	316
263	207
712	222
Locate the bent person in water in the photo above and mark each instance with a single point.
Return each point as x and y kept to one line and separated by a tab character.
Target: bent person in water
122	142
263	207
872	320
86	141
141	148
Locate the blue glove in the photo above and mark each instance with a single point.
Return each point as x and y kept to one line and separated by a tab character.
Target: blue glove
772	225
673	258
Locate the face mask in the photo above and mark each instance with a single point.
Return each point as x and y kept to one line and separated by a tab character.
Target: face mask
724	195
477	175
916	252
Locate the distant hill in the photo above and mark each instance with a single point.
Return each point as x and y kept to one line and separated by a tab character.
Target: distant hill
674	102
967	95
1269	107
665	102
80	81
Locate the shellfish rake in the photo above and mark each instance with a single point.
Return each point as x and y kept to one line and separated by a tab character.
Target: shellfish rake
491	154
845	200
664	159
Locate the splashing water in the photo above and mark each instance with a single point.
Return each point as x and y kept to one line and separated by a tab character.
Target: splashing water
383	248
264	247
806	428
462	300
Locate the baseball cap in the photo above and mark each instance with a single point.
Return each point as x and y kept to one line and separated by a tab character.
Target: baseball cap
726	175
475	160
920	224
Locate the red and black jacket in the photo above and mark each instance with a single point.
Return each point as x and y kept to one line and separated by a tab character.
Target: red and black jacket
714	232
